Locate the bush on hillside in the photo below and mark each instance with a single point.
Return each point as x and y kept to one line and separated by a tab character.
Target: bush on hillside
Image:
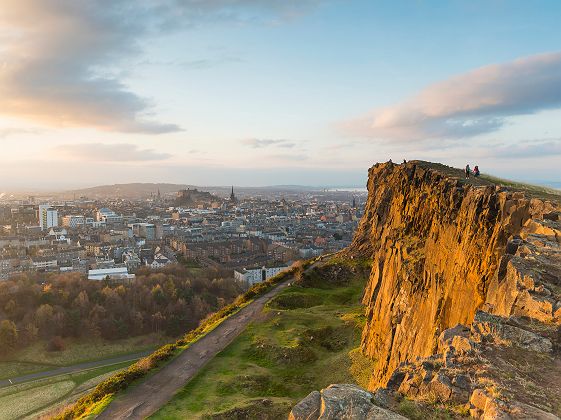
56	344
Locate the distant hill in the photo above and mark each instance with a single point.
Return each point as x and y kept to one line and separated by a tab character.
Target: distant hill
133	190
147	189
143	190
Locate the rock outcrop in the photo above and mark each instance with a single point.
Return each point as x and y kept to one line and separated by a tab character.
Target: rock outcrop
466	274
341	401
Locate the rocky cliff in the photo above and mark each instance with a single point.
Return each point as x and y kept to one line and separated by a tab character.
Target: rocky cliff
445	249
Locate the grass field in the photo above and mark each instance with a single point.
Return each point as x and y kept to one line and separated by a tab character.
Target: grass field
536	191
36	358
32	399
304	341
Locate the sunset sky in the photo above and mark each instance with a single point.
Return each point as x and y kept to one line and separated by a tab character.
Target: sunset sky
266	92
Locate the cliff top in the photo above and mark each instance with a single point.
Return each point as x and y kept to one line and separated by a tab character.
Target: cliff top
534	191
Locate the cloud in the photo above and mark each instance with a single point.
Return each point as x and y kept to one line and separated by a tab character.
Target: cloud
285	157
195	64
470	104
99	152
529	149
60	60
263	143
8	132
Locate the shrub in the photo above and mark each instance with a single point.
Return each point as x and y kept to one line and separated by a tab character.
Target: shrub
56	344
295	301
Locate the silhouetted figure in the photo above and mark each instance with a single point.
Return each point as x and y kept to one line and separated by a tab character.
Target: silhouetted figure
404	161
468	171
476	171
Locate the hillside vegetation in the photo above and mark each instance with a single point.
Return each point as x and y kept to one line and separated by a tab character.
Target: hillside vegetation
306	338
56	310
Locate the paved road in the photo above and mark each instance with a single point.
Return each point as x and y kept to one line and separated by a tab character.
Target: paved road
73	369
147	397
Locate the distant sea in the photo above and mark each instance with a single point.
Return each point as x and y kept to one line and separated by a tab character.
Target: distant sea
556	185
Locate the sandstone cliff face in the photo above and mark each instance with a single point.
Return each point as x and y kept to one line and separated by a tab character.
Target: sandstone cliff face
443	249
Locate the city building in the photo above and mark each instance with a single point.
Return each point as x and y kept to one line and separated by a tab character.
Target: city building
258	275
114	273
48	217
108	216
73	221
43	263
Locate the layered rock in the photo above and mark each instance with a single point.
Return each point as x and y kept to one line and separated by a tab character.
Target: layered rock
442	249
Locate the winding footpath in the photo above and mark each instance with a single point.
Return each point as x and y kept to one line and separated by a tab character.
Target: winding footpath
147	397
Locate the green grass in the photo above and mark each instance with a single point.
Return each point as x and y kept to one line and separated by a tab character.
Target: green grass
304	341
13	369
36	358
41	396
25	402
536	191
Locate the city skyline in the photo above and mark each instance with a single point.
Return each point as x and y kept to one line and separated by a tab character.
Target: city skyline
268	93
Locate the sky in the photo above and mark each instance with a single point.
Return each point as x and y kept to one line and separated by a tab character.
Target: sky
271	92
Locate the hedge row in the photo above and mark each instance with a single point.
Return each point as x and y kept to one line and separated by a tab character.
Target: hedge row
120	381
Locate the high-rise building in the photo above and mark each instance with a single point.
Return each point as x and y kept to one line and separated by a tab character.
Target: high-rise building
48	217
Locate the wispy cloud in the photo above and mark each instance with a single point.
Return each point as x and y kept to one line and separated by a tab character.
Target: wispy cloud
195	64
264	143
528	149
60	60
8	132
470	104
100	152
287	157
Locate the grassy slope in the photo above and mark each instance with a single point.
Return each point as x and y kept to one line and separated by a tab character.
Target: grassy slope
35	358
304	341
535	191
38	396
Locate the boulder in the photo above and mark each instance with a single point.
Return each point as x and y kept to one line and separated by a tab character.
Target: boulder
453	337
341	401
486	407
524	411
308	408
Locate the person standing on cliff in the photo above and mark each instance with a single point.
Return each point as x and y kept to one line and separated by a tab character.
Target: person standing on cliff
468	171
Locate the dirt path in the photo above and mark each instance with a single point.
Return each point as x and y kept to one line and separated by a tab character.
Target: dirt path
146	398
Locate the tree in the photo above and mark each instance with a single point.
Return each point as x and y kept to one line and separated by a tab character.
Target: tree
30	332
8	335
10	308
45	317
158	294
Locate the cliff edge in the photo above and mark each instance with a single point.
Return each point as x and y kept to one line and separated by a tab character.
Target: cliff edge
464	273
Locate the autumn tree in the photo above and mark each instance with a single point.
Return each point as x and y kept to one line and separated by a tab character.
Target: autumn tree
8	336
